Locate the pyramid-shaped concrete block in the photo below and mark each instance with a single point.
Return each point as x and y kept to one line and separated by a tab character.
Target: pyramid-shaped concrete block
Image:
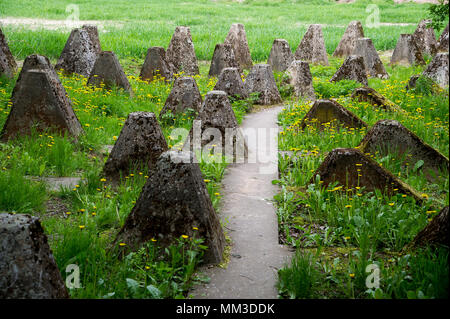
173	201
156	66
139	145
353	68
238	40
40	100
78	55
93	35
367	94
347	44
260	80
216	129
407	52
435	233
312	47
8	66
330	111
223	57
437	70
372	62
443	41
184	95
27	266
426	38
351	168
108	73
391	137
281	56
230	82
181	53
300	79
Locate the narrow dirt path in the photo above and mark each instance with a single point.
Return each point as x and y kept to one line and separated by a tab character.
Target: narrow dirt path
250	220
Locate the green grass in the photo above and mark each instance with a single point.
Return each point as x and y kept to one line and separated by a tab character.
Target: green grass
337	235
369	227
132	28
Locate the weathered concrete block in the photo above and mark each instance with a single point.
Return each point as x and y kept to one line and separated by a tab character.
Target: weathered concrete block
426	38
223	57
238	40
391	137
436	233
172	202
27	267
300	79
93	35
139	145
367	94
281	56
185	94
407	52
108	72
155	65
372	62
353	68
8	66
437	70
443	41
330	111
312	47
347	44
216	129
230	82
351	168
181	52
261	80
39	99
78	55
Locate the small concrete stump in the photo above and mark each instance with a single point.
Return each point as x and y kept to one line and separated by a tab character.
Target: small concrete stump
173	201
39	99
353	68
367	94
330	111
261	80
300	79
78	55
238	40
391	137
407	52
281	56
230	82
443	41
139	145
372	62
347	44
108	73
181	53
27	266
216	130
312	47
223	57
351	168
8	66
156	66
184	95
426	38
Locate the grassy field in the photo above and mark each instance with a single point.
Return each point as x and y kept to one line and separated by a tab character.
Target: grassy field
131	27
336	235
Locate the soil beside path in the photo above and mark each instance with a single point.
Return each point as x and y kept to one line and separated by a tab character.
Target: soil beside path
250	220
